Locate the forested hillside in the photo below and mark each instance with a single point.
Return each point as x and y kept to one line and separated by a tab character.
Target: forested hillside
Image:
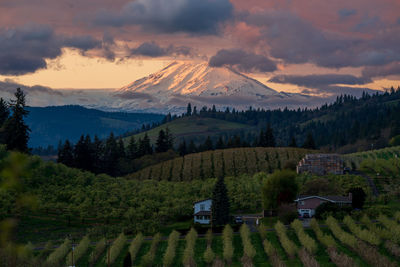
347	125
49	125
219	163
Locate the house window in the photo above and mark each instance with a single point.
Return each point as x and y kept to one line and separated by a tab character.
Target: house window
202	207
302	203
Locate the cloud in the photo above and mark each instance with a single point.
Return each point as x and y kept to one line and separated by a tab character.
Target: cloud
169	16
368	23
382	71
242	60
24	49
346	12
9	86
316	80
294	40
152	49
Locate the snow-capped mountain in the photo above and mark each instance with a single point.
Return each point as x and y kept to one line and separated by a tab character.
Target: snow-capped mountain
170	90
182	82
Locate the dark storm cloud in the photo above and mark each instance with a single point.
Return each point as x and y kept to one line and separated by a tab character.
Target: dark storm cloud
9	86
382	71
296	40
316	80
242	60
24	49
152	49
169	16
346	12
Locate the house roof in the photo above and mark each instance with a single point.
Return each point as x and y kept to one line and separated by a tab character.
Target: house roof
202	213
202	200
345	199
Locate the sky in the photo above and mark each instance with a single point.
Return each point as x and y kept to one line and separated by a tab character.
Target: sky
314	47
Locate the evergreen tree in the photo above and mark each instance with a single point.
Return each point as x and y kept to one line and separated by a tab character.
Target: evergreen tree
293	142
269	137
97	155
192	147
132	148
220	204
16	131
161	143
309	142
194	113
182	148
121	148
4	114
261	139
66	154
170	139
220	143
144	146
110	156
189	110
208	145
82	153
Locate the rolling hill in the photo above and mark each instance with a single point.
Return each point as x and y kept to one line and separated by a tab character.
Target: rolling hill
225	162
49	125
194	128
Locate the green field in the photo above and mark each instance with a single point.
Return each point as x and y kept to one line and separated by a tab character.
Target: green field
226	162
193	127
355	159
348	243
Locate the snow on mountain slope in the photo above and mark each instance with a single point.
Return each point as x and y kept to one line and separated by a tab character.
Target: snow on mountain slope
182	82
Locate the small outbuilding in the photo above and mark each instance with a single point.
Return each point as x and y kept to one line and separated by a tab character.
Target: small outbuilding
306	205
321	164
202	211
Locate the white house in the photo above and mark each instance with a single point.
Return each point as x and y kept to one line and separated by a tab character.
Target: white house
202	211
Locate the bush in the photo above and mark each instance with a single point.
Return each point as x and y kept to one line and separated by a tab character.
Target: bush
362	234
209	255
337	231
307	242
227	237
248	248
307	259
97	251
326	239
381	232
188	253
327	209
340	259
58	255
286	243
171	248
392	226
148	258
79	251
287	213
135	246
272	253
376	210
116	247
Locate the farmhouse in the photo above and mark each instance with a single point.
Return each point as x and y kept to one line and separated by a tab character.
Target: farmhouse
202	211
321	164
306	205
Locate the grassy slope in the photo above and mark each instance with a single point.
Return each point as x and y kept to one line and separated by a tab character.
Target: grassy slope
193	126
227	162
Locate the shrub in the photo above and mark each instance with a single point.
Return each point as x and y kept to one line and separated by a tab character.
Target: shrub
135	246
287	244
248	248
262	229
327	209
340	259
307	242
227	236
97	251
46	251
148	258
392	226
59	253
116	247
79	251
337	231
209	236
362	234
209	255
372	256
381	232
273	255
326	239
171	249
307	259
188	254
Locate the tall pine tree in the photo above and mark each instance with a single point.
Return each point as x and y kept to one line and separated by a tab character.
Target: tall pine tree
66	154
309	142
4	114
220	204
16	131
